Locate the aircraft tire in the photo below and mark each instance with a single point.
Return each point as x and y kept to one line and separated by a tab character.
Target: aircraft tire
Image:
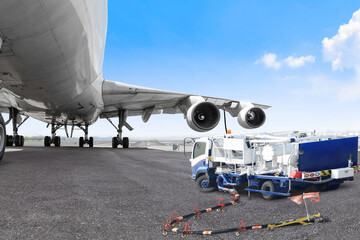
22	141
57	141
91	142
9	140
115	142
81	142
17	141
125	142
2	137
47	141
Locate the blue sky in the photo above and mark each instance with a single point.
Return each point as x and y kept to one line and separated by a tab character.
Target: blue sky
215	48
269	52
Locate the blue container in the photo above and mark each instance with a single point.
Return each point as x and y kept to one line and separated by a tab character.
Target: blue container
330	154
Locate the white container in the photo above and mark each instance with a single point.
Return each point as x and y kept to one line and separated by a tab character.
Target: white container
342	173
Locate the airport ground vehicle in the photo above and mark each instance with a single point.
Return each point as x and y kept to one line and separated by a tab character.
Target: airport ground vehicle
273	165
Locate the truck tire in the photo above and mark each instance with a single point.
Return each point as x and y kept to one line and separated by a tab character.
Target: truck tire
333	186
268	186
322	187
204	184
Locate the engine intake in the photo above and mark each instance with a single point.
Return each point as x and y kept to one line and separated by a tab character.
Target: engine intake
203	116
251	117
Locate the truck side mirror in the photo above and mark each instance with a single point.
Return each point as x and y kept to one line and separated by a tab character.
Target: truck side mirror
176	147
188	140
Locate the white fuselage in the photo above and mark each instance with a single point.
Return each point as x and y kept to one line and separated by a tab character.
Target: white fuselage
51	58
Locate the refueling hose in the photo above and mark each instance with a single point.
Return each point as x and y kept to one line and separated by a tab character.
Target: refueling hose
170	225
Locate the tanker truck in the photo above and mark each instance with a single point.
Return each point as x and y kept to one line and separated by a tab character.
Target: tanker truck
273	165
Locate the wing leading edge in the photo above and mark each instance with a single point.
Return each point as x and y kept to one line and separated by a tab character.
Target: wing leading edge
142	101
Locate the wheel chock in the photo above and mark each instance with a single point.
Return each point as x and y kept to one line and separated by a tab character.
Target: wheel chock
220	205
196	212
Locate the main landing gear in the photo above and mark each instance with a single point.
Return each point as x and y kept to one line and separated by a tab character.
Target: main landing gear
118	140
56	140
15	139
86	139
2	137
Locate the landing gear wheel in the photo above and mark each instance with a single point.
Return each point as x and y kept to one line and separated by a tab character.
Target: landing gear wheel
204	184
17	141
91	142
115	142
81	142
57	141
268	186
125	142
47	141
22	140
9	140
2	137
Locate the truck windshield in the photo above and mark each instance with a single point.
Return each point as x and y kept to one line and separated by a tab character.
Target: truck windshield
199	149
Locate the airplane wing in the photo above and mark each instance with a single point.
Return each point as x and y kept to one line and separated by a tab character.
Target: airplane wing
201	112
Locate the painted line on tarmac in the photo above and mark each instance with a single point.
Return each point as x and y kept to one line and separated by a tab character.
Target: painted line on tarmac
13	150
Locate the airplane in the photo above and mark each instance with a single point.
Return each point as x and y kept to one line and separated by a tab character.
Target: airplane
51	59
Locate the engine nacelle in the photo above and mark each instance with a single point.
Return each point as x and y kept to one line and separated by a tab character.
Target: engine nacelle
203	116
251	117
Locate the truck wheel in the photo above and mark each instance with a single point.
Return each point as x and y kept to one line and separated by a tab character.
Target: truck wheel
322	187
268	186
333	186
204	185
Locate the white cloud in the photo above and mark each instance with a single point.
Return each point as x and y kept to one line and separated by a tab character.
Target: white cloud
320	86
343	50
325	86
269	60
298	62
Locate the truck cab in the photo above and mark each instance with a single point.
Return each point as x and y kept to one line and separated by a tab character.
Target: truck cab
201	165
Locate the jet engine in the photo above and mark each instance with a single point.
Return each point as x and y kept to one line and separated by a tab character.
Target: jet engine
203	116
251	117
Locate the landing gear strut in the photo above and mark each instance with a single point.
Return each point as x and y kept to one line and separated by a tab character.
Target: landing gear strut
16	122
118	140
56	140
86	139
2	137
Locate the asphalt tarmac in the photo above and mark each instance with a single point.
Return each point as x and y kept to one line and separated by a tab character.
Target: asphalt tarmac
104	193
